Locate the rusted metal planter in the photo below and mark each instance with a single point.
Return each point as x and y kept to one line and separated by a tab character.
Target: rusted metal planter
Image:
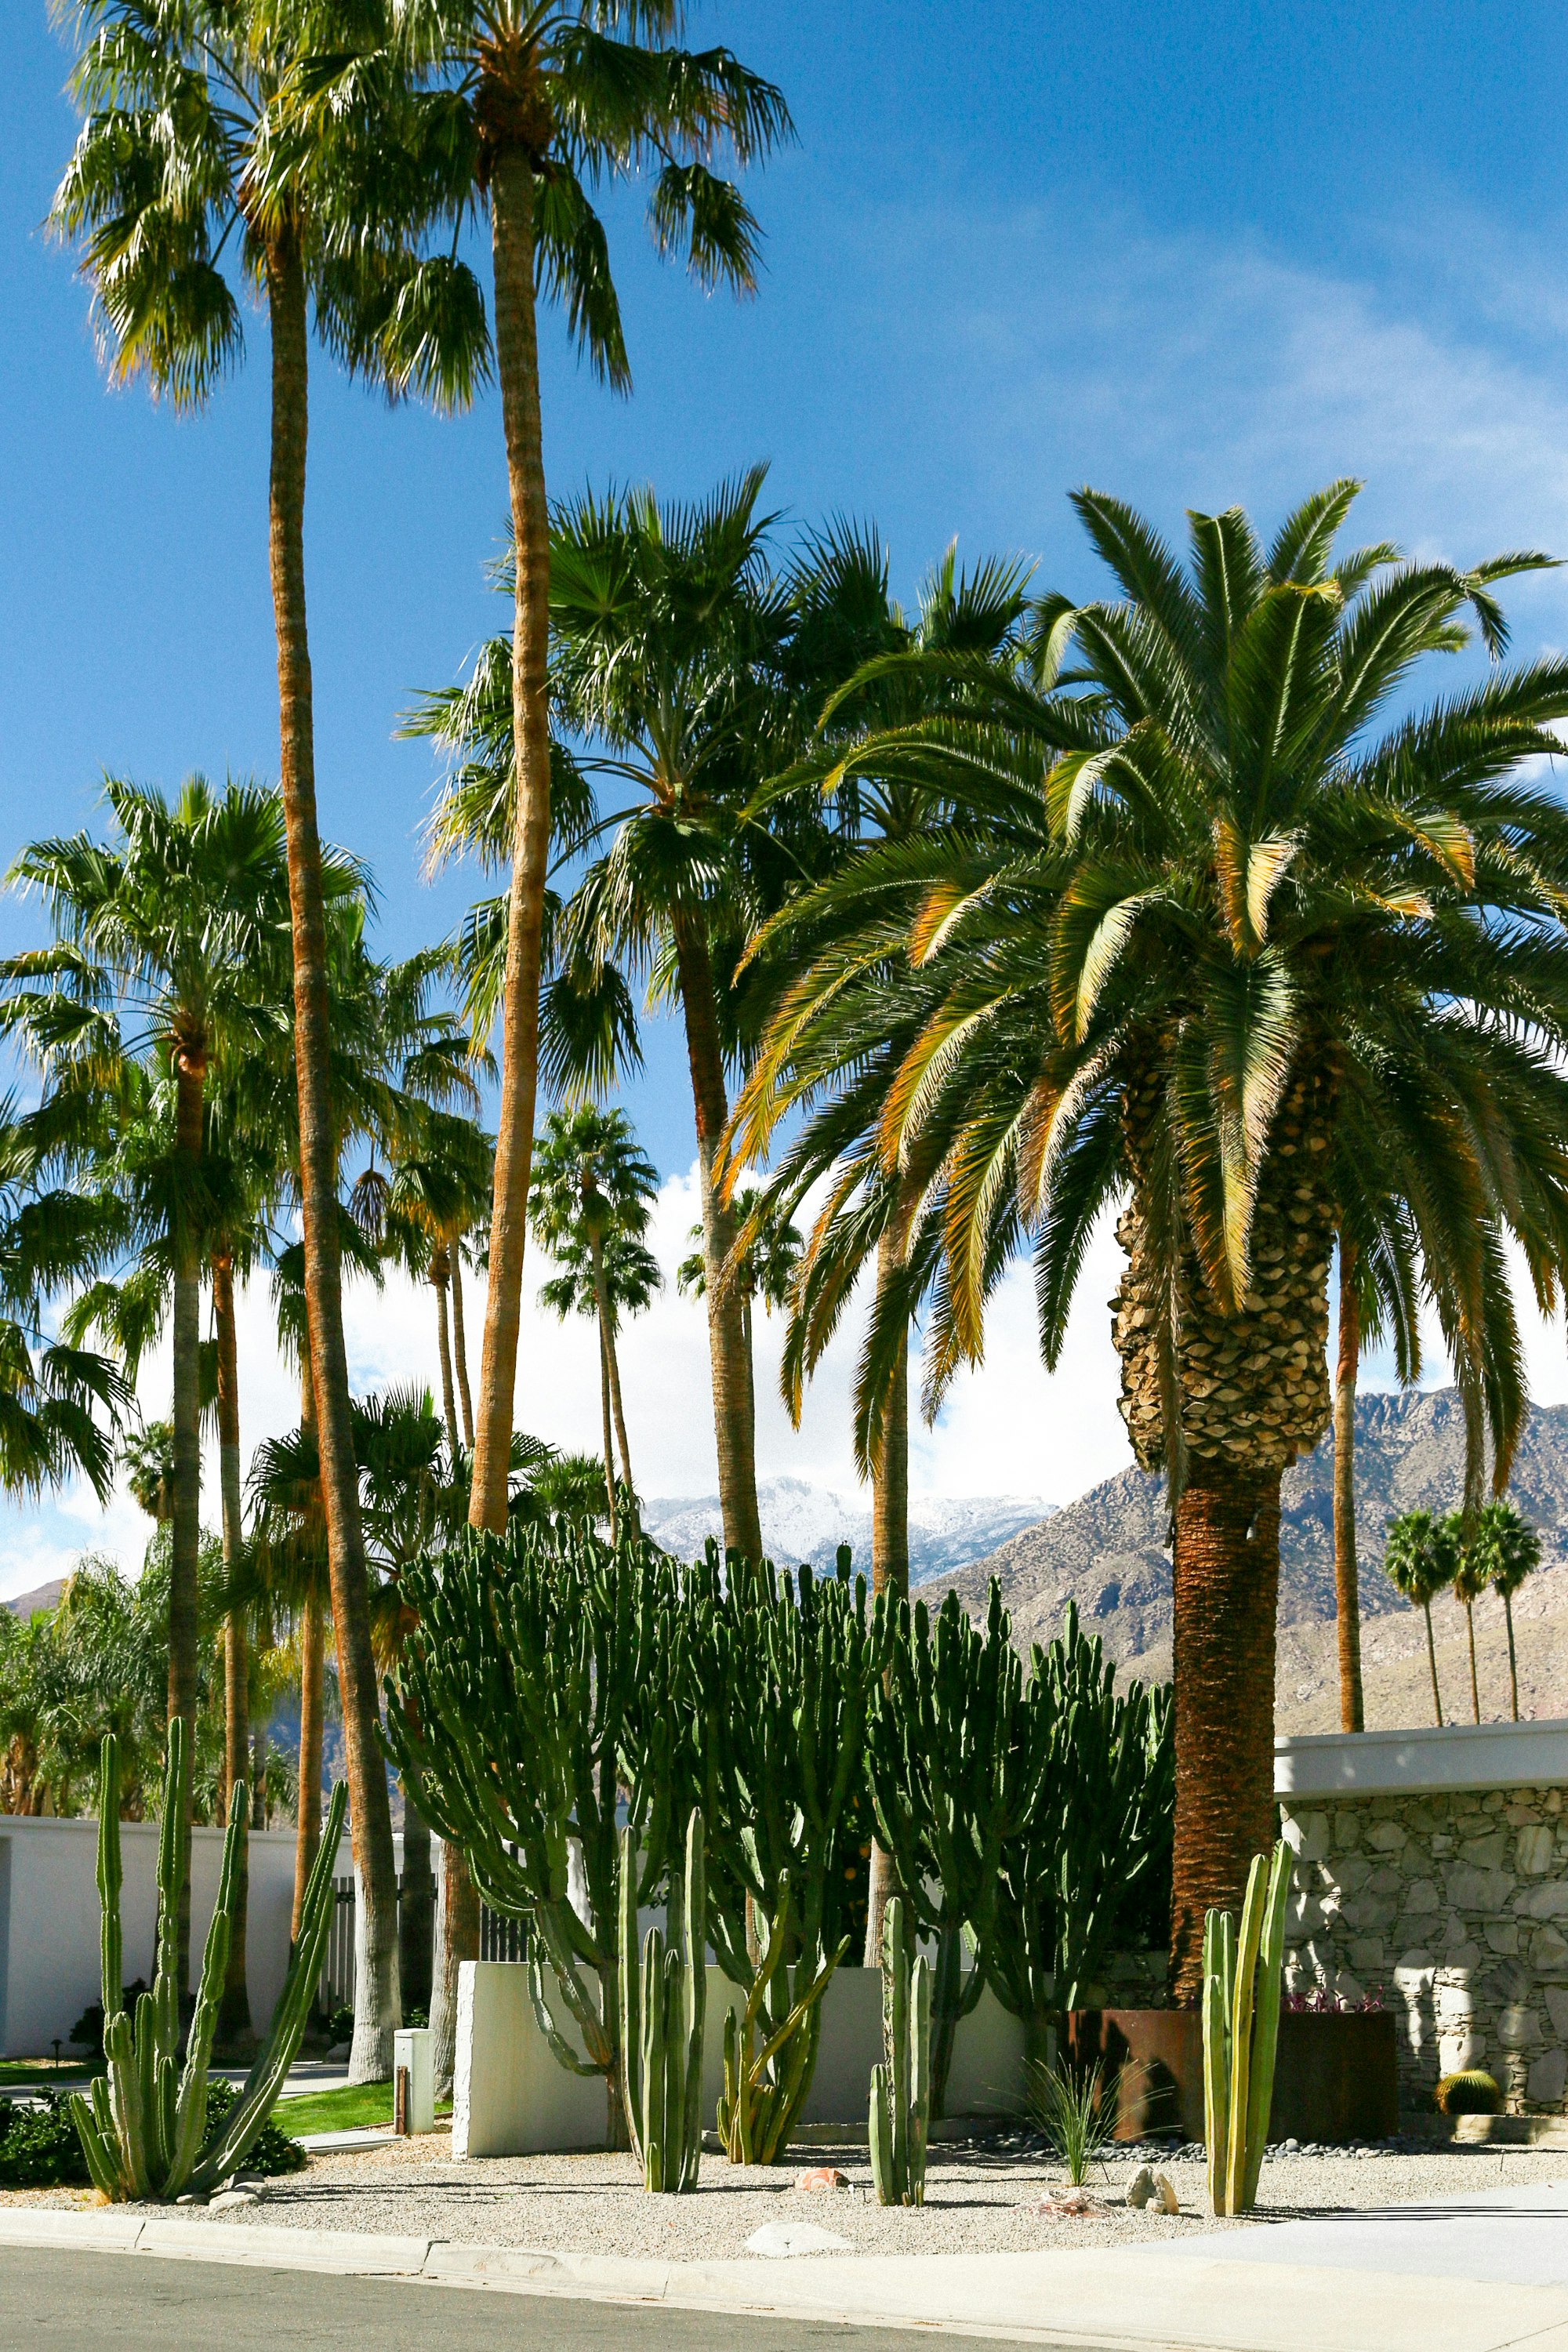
1337	2077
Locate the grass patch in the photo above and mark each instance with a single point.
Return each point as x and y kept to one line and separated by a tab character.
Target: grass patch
43	2075
358	2106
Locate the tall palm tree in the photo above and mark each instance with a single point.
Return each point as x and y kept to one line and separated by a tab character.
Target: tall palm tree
1469	1581
1421	1558
1509	1550
196	166
590	1198
528	104
1204	939
439	1190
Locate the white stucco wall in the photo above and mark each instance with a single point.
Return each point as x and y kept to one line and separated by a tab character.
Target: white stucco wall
49	1968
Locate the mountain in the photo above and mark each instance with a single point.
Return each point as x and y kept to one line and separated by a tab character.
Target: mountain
1108	1552
805	1522
42	1597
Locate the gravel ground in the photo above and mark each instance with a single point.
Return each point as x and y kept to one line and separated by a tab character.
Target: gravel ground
980	2198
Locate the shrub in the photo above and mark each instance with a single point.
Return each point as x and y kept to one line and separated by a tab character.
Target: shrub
1471	2092
272	2151
87	2033
39	2147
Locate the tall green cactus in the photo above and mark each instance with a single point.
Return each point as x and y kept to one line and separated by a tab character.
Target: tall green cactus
663	2009
1243	1978
901	2087
141	2131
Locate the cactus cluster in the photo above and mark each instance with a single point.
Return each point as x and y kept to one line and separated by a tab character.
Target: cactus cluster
901	2087
1243	1980
663	2007
144	2131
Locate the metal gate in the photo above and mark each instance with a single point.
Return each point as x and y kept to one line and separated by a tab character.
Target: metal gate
501	1939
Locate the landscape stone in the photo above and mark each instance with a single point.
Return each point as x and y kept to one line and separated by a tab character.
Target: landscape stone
1533	1850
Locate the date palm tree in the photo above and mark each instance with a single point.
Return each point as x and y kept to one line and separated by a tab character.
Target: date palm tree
196	166
1206	940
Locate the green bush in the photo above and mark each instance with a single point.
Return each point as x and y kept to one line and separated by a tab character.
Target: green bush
39	2147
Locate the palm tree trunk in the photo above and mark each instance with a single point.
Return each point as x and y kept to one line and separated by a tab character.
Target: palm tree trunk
234	2027
612	1369
186	1528
1347	1597
889	1562
308	1815
1513	1663
1469	1609
460	1345
438	1278
727	1350
1226	1577
415	1910
517	368
377	2012
605	1424
1432	1663
456	1940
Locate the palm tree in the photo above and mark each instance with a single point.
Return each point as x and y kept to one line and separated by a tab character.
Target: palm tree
439	1190
195	147
529	103
1469	1581
590	1200
1421	1558
763	1264
1507	1550
1204	940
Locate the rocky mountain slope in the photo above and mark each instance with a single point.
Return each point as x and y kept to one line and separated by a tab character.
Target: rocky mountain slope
1108	1552
801	1521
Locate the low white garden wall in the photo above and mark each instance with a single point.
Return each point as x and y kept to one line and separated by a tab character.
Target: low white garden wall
49	1967
1432	1868
511	2097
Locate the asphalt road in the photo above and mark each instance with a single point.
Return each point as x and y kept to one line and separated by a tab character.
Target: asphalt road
134	2303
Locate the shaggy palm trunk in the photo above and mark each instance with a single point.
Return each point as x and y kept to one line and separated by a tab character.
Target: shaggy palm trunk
415	1911
312	1701
512	189
456	1940
889	1564
729	1356
439	1278
377	2008
607	1432
234	2018
461	1347
1432	1667
1347	1596
185	1527
1250	1386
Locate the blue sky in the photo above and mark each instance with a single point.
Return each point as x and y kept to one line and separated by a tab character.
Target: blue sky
1195	255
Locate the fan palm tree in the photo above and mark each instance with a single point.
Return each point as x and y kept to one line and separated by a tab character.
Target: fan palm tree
529	103
1421	1558
1205	941
195	154
1469	1581
438	1192
590	1198
1508	1550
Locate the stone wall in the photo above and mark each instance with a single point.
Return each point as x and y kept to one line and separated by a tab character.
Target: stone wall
1453	1904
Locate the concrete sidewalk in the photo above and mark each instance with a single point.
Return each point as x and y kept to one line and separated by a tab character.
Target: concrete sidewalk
1256	2290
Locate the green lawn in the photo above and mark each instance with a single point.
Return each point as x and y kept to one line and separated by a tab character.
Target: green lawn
355	2107
41	2074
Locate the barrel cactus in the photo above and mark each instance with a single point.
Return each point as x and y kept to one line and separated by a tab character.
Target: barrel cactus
144	2133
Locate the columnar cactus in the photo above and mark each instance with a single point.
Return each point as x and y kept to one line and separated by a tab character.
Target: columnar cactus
141	2132
901	2086
1242	1988
663	2007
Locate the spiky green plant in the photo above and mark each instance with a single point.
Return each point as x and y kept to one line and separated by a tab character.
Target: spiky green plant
1242	1991
1075	2109
901	2087
663	2011
144	2134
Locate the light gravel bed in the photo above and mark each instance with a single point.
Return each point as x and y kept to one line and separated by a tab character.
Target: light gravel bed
980	2198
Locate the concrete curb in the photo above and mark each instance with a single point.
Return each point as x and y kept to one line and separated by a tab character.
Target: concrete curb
1132	2300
